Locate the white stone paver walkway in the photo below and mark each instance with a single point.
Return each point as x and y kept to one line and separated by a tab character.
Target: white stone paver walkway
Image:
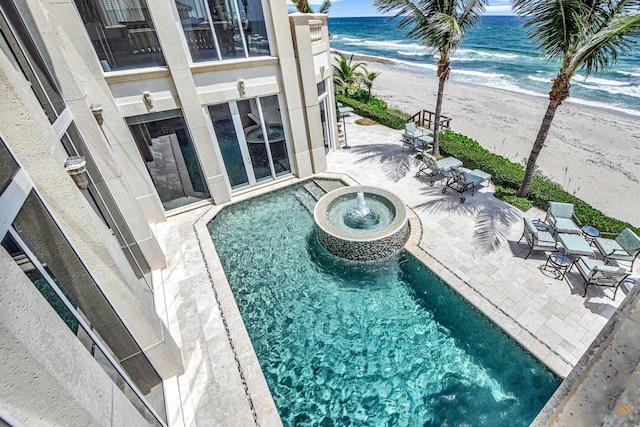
472	246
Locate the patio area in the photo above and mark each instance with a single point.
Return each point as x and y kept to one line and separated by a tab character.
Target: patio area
472	246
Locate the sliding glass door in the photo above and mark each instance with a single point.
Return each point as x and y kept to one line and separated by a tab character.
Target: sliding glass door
251	139
325	110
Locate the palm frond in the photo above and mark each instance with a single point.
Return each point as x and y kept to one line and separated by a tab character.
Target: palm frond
444	33
325	6
603	48
553	24
470	13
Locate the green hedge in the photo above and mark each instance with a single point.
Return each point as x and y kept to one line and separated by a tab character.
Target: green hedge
507	177
363	96
381	116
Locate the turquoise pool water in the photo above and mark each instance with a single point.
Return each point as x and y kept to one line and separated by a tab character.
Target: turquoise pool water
383	344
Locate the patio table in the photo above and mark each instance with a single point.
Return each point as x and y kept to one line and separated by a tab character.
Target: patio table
574	244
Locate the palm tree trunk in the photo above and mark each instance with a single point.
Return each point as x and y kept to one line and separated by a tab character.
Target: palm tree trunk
442	78
537	147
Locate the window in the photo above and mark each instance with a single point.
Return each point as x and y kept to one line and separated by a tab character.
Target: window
26	55
122	33
223	29
166	147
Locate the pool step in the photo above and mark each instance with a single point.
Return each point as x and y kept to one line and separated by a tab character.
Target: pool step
314	189
328	184
307	200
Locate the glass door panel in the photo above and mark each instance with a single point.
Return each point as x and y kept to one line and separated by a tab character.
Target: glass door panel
251	139
255	138
166	147
326	134
275	135
229	145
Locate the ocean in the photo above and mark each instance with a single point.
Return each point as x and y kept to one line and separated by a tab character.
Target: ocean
495	53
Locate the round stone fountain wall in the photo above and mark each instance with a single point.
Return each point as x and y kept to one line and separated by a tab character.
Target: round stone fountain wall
359	245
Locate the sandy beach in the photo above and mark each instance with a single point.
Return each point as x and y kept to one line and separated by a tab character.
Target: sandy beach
592	153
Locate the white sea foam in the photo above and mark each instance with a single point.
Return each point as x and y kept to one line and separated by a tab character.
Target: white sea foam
479	74
413	53
463	54
634	73
598	81
540	79
392	44
347	39
605	106
628	90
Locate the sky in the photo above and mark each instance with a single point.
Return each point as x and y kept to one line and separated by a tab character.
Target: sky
350	8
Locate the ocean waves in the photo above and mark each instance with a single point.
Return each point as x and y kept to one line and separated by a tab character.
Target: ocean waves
498	54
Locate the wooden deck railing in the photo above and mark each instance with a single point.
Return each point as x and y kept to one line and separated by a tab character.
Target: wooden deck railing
426	119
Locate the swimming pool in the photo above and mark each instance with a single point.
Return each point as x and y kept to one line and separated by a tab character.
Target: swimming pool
385	343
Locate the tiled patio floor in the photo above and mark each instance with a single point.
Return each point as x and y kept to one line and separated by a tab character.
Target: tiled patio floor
472	246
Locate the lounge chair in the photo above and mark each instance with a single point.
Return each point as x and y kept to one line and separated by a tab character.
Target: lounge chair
432	167
414	138
462	181
596	272
561	217
538	240
625	247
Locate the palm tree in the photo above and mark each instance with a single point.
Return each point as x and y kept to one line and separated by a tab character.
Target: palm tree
304	7
440	26
346	74
367	78
584	35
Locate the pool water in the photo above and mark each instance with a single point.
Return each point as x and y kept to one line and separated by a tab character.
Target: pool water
385	343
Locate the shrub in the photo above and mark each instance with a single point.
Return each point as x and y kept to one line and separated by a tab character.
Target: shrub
507	177
509	195
381	116
363	96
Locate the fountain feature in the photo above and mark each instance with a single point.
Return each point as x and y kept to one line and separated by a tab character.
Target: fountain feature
361	216
361	223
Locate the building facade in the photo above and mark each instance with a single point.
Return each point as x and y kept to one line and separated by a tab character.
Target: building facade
114	115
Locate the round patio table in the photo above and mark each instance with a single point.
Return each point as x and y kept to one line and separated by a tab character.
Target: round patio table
560	264
590	232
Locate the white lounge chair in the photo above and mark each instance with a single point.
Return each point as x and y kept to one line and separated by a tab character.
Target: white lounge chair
462	181
432	167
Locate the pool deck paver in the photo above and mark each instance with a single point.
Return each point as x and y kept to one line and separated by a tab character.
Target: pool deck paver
472	246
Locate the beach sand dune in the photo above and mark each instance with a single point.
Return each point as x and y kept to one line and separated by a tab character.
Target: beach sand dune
592	153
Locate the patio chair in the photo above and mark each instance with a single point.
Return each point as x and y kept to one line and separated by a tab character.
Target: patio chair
561	217
411	136
432	167
538	240
596	272
625	247
462	181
